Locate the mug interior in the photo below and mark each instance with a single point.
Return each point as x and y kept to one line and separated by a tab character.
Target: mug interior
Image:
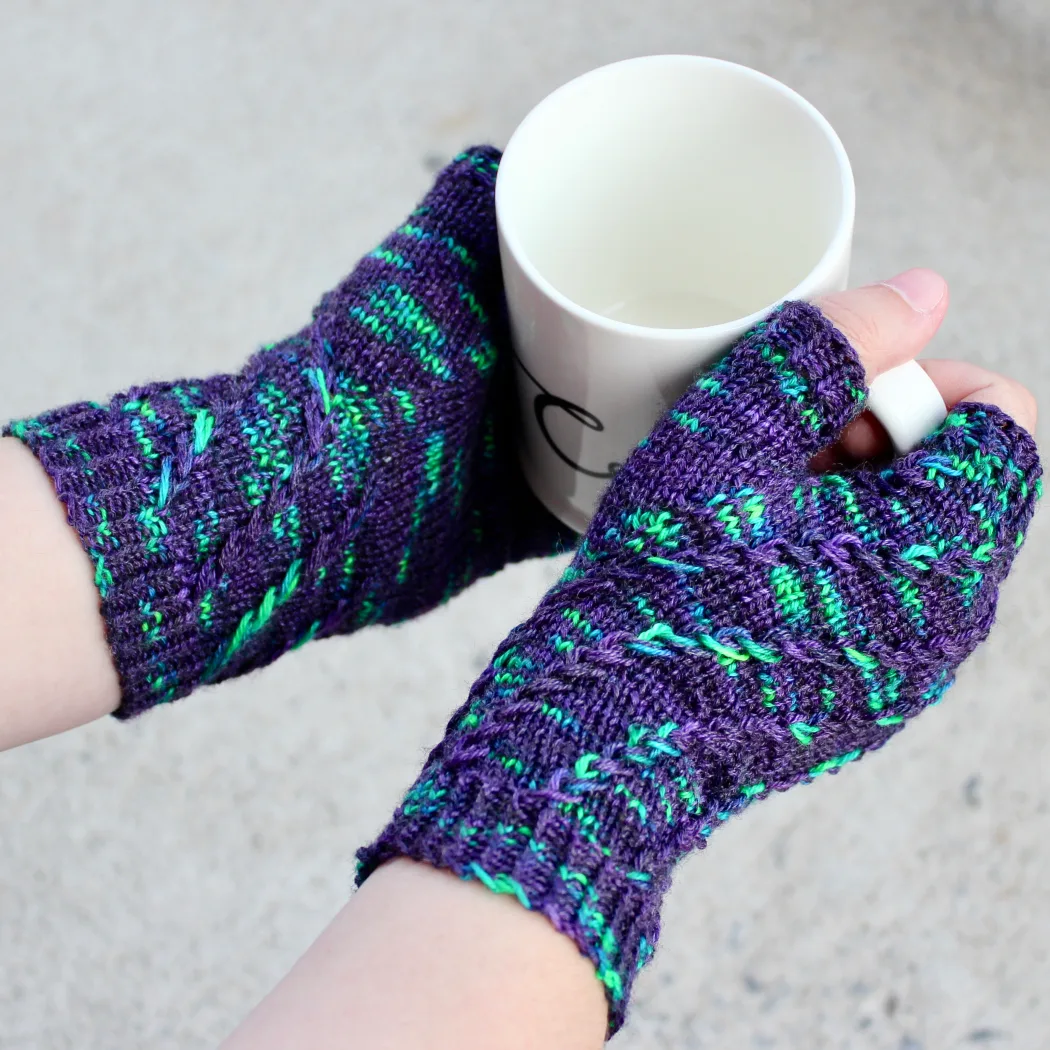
674	191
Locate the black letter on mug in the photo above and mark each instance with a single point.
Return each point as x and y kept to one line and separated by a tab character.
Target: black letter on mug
588	419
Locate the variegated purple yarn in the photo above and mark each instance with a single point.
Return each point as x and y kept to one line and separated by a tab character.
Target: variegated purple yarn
731	625
358	472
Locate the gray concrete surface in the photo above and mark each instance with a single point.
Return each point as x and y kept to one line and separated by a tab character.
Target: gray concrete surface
178	182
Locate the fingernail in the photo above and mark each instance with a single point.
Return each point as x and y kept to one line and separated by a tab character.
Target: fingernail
922	290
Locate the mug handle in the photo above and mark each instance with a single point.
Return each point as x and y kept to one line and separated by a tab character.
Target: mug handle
908	404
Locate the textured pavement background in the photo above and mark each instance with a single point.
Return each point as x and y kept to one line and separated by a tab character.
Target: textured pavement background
179	183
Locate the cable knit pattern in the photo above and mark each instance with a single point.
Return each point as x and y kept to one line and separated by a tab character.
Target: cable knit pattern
359	472
731	625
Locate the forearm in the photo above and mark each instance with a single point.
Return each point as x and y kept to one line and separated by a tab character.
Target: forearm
55	672
420	958
380	975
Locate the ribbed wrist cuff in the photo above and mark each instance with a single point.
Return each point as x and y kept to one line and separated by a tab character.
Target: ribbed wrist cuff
534	848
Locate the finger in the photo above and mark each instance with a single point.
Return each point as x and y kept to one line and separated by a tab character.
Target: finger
975	479
890	322
961	381
866	439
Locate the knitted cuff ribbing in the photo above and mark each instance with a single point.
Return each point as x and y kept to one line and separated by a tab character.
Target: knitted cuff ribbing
117	468
531	846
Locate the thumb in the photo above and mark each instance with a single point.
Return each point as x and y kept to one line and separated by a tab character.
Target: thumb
890	322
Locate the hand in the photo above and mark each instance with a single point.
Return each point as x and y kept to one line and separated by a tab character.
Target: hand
731	625
891	323
361	471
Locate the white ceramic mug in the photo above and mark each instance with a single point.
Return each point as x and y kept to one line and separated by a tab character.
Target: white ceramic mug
649	213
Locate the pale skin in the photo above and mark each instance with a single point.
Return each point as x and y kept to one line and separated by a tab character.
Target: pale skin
416	957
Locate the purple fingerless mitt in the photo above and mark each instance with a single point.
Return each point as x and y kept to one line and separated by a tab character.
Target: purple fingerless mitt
360	471
732	625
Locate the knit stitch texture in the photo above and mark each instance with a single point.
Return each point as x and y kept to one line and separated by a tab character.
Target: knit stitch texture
361	471
731	625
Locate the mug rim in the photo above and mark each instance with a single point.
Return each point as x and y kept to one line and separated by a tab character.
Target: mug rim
838	243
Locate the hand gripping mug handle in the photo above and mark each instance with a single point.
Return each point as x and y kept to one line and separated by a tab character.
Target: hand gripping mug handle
908	404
